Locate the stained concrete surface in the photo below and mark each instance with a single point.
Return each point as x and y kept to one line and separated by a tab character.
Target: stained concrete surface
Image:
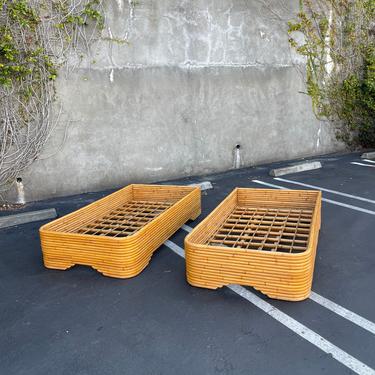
195	79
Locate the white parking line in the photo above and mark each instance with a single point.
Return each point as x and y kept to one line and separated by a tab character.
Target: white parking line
369	161
355	208
303	331
330	305
362	164
186	228
177	249
345	313
324	189
320	342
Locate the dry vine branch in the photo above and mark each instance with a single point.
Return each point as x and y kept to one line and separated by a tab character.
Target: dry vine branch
36	38
337	40
339	47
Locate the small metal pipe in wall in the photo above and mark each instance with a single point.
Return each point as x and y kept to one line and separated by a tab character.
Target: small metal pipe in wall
20	191
237	157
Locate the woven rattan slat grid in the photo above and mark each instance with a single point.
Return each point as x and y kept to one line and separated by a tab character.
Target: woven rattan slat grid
125	220
117	235
263	238
267	229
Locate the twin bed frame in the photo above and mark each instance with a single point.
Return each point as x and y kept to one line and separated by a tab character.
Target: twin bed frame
263	238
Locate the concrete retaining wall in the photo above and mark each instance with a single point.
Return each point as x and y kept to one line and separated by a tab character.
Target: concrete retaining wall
197	78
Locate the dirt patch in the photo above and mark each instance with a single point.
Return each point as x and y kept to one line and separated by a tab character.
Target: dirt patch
11	206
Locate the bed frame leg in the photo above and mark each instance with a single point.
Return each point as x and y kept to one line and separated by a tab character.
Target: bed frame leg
195	214
57	264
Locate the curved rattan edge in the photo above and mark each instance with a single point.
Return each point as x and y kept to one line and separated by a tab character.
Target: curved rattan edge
284	276
119	257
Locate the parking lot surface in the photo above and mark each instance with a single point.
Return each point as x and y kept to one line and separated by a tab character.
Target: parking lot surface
80	322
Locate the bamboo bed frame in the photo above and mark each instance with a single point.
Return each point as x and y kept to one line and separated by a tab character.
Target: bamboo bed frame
263	238
118	234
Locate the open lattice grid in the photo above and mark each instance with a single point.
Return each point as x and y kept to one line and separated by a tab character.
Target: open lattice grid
124	220
267	229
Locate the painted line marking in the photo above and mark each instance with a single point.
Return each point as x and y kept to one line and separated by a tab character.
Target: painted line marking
330	305
345	313
320	342
369	161
177	249
324	189
355	208
303	331
362	164
187	228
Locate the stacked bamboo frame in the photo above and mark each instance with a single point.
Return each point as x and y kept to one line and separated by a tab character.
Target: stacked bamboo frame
117	234
263	238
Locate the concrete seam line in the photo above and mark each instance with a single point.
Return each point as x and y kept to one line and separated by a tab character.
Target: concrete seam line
192	65
324	189
362	164
308	166
330	305
320	342
345	313
27	217
355	208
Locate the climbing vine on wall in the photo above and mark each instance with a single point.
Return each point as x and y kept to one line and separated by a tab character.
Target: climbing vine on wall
338	41
36	39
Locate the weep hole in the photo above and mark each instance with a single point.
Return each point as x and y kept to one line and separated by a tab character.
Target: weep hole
263	238
117	234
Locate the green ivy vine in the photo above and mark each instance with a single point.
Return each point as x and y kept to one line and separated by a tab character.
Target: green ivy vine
35	38
18	59
338	42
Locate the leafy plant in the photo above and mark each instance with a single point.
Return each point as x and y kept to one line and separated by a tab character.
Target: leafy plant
35	39
339	47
